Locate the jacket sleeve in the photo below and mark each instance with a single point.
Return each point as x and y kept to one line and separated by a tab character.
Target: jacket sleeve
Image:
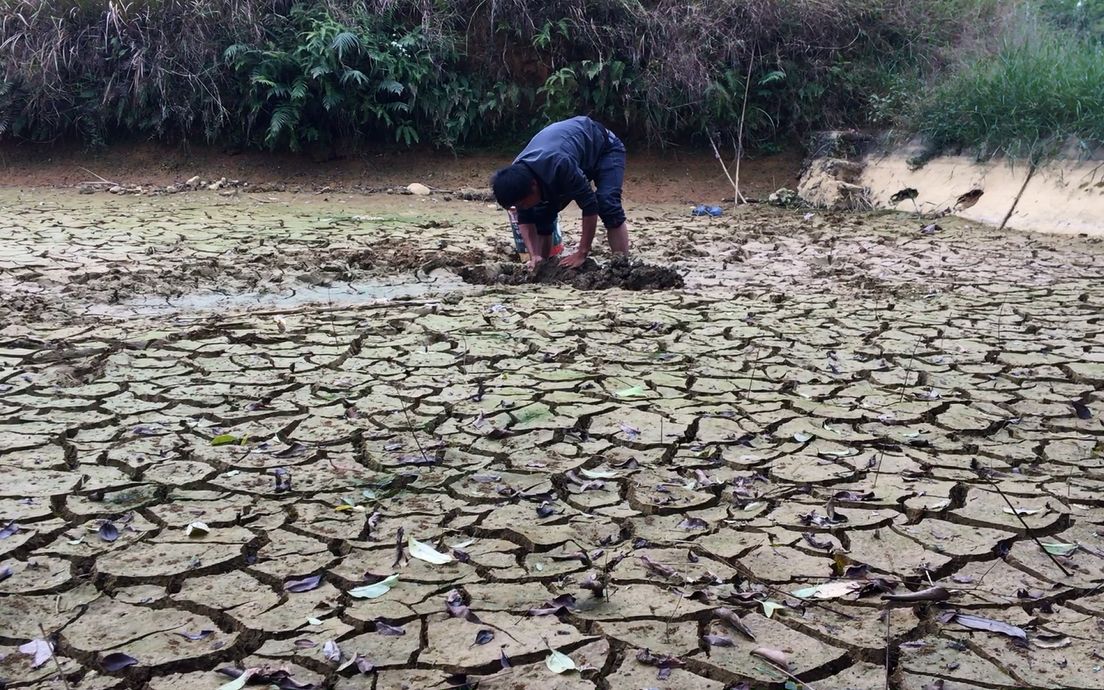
570	181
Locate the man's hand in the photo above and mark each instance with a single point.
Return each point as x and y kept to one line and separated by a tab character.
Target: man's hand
534	262
574	260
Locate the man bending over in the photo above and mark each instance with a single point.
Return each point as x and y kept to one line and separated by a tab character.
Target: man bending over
557	168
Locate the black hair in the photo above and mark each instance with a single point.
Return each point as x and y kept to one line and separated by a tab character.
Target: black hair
511	184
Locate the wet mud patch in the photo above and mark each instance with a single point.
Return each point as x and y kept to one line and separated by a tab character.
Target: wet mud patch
619	272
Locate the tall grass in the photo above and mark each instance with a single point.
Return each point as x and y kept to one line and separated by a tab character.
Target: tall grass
1040	87
293	73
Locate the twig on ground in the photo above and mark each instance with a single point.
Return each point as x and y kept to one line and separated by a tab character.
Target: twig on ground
102	180
1022	522
57	664
888	613
735	185
410	428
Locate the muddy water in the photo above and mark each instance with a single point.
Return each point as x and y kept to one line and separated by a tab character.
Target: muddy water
830	410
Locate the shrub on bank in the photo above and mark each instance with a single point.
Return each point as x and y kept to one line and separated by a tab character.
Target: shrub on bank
282	74
1039	88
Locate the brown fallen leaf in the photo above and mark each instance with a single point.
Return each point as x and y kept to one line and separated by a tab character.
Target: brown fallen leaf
729	616
774	656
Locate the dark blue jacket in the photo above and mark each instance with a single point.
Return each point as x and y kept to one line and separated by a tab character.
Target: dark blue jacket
564	157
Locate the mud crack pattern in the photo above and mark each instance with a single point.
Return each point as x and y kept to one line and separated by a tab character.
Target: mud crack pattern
830	412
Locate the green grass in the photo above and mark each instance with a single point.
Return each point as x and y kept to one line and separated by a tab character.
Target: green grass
1038	89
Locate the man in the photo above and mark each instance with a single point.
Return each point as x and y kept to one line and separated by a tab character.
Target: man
557	168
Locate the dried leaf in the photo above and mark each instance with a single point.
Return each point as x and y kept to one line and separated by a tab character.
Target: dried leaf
108	531
1050	640
630	431
383	628
774	656
989	625
363	665
239	682
645	656
331	651
559	663
117	661
657	568
1058	549
831	590
10	529
304	585
633	392
41	650
929	594
1023	511
769	607
484	636
425	552
197	530
599	474
729	616
376	590
693	523
718	641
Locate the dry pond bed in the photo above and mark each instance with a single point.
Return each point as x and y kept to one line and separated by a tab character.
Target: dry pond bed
280	439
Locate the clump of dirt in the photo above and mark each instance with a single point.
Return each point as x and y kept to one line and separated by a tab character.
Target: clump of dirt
620	272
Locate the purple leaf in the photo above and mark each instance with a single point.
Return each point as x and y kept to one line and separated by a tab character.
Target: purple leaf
41	650
632	432
1082	410
503	659
461	555
5	573
305	644
693	523
363	665
108	532
283	479
9	529
561	604
294	449
196	636
331	651
117	661
484	636
990	625
718	641
664	673
388	629
545	509
304	585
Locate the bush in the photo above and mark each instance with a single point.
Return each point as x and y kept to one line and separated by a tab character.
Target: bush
281	74
1038	89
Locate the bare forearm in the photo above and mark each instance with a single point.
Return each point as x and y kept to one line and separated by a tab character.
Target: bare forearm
586	238
529	234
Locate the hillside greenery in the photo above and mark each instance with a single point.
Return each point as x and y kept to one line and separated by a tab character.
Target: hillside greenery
281	74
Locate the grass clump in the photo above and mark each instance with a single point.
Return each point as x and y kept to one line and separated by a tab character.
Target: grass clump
1038	88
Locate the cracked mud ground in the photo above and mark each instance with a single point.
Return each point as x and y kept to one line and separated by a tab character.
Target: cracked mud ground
220	442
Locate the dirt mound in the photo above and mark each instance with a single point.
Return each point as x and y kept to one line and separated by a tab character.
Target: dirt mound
620	272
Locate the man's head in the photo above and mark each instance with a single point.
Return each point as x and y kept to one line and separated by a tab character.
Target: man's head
514	185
